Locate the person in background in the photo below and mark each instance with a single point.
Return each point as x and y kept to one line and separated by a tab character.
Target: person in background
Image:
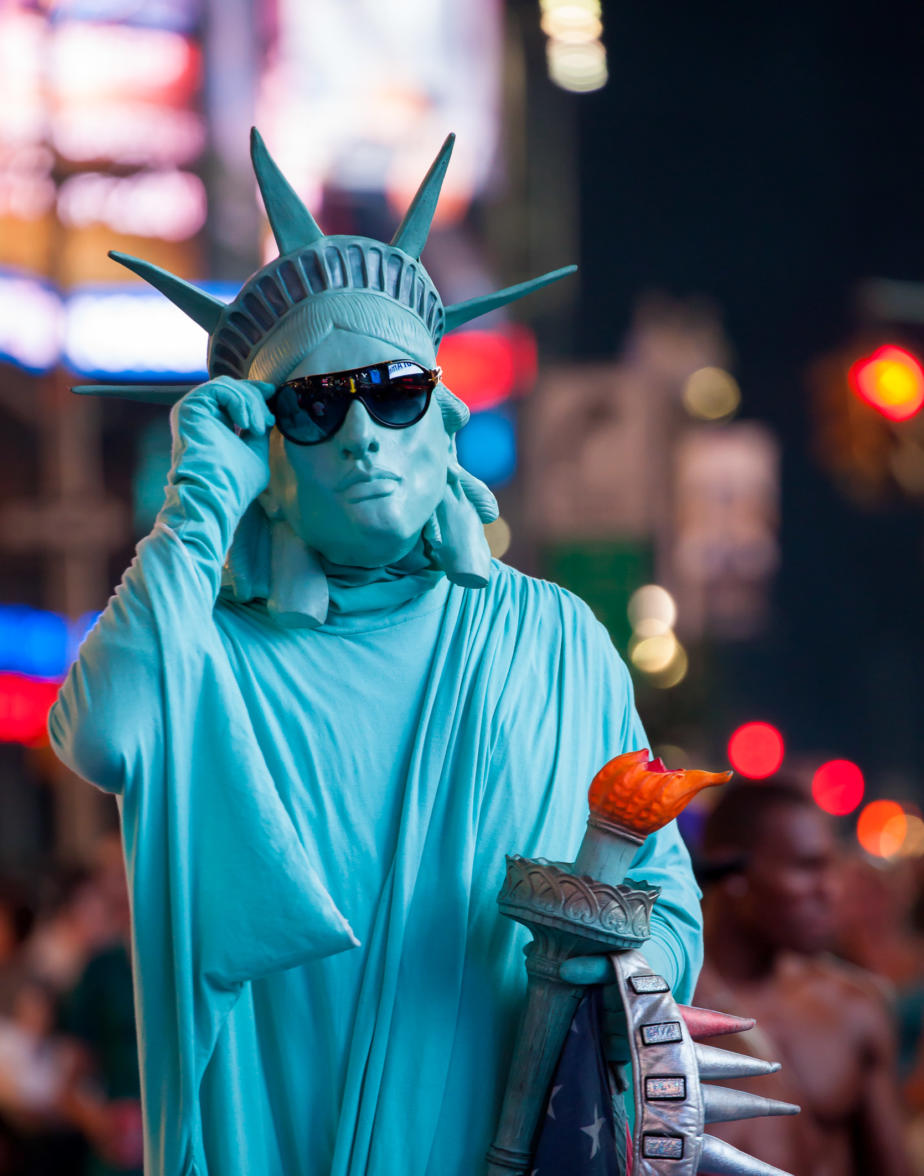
102	1093
876	933
73	923
770	869
16	917
35	1139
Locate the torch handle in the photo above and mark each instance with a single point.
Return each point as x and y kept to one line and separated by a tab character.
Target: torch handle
547	1016
606	852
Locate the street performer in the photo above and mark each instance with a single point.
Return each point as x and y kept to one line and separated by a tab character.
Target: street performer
327	714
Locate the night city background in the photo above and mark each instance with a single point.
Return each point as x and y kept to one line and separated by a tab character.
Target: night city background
740	191
713	433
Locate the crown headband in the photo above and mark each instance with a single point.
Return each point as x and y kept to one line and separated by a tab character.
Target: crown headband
312	266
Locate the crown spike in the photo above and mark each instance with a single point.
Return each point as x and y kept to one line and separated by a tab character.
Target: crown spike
462	312
411	234
725	1104
293	225
721	1159
201	307
146	393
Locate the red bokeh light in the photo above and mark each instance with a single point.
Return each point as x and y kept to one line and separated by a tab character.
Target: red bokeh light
756	750
485	367
24	706
891	380
837	787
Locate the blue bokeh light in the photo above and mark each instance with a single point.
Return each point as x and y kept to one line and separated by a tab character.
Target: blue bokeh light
38	643
487	446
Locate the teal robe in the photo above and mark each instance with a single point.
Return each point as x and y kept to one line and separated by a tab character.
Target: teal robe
315	824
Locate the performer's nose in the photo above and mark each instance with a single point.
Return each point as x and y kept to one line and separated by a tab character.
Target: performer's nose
357	434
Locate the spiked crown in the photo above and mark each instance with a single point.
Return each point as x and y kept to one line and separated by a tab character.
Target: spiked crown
312	266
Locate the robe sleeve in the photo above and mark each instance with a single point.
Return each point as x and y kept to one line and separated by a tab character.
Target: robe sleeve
222	888
569	710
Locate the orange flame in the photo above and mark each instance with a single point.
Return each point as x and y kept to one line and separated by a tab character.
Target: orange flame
642	795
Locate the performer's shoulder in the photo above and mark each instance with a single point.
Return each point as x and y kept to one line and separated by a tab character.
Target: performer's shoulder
531	593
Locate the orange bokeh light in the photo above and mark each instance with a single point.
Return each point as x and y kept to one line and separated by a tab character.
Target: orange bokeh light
881	828
756	750
891	380
837	787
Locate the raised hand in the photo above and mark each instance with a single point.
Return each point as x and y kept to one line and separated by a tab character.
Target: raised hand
220	440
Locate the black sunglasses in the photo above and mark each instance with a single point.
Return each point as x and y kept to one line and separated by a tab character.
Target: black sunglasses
310	409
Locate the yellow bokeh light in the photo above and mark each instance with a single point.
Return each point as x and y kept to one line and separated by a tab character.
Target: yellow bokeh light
895	382
674	672
711	394
592	7
913	844
577	67
652	611
653	655
572	23
498	536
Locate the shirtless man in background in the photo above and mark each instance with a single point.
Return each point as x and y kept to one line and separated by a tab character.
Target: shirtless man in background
770	878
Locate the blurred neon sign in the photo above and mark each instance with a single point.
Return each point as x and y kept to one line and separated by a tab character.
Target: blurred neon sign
30	322
168	203
36	649
484	368
24	706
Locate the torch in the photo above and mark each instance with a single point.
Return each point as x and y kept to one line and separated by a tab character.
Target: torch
580	908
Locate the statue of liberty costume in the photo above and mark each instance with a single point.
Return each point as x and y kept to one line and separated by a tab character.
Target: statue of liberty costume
320	759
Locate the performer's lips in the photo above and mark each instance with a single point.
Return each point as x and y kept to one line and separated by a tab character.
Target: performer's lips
369	483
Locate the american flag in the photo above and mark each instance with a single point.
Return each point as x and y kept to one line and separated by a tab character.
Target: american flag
583	1132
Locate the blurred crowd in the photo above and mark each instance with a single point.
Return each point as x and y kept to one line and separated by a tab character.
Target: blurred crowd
69	1088
824	948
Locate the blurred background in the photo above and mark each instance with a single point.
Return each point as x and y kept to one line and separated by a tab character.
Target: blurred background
713	433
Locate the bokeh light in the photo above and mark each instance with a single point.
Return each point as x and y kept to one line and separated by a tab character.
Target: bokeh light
756	750
498	537
881	828
675	671
487	446
572	22
711	393
652	611
653	655
891	380
837	787
24	706
578	67
913	844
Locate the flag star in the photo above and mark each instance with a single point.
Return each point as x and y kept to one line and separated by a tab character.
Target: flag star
550	1110
593	1130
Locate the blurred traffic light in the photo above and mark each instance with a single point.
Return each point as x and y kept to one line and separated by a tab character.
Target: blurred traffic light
891	380
869	430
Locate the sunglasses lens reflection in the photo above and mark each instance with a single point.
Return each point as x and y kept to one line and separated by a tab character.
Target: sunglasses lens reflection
311	409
